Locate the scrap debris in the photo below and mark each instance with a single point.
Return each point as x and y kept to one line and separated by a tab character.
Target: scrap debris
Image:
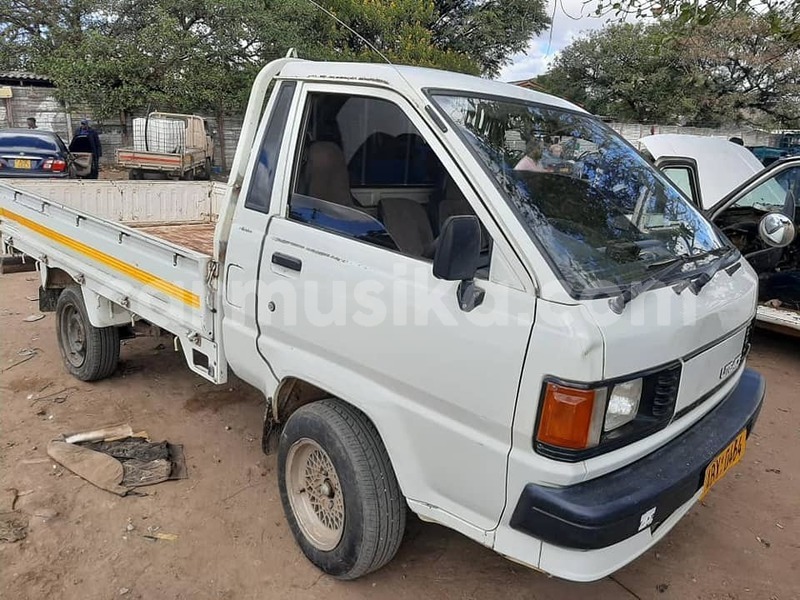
13	527
118	460
26	354
32	318
169	537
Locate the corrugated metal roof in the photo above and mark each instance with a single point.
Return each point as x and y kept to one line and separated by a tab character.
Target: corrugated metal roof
23	76
529	84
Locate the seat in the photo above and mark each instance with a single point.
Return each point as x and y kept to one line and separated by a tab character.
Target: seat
325	174
326	177
407	222
453	204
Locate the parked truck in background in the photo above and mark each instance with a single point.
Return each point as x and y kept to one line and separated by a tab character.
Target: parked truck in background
550	362
173	145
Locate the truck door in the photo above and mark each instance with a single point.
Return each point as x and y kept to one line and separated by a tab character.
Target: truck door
347	299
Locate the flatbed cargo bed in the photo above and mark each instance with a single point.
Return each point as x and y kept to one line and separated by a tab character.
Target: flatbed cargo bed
198	237
162	273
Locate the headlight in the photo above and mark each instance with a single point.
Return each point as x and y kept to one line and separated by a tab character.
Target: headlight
578	421
623	404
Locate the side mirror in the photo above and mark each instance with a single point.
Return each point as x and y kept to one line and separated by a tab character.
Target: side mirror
456	259
777	230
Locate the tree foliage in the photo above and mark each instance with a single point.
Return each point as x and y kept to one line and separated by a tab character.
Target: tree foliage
625	70
743	70
121	56
781	16
735	69
487	31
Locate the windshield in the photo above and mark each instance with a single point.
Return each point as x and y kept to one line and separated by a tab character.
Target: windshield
602	215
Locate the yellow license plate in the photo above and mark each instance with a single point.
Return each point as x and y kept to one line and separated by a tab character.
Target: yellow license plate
22	163
724	461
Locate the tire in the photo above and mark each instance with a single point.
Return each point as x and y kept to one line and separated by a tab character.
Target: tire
89	353
358	483
135	174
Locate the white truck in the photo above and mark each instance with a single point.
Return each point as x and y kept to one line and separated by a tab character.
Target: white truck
551	363
169	144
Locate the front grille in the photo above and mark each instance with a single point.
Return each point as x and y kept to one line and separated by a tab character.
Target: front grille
665	392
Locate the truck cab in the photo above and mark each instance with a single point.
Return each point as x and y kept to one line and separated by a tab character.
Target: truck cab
458	297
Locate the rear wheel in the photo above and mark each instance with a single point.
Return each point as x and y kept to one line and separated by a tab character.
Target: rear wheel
135	174
338	489
89	353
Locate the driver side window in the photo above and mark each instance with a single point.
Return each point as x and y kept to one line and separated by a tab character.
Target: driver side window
364	171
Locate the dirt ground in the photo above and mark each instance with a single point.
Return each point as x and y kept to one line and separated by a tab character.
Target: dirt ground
232	541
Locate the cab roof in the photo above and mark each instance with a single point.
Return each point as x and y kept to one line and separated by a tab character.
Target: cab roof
416	79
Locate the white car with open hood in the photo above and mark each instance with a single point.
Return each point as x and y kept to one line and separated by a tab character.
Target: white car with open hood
458	297
730	185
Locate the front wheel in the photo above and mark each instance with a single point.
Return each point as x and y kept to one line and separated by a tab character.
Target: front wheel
338	490
89	353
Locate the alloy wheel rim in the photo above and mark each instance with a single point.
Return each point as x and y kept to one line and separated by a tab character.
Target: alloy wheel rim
315	494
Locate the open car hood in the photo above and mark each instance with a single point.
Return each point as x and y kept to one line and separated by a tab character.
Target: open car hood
722	166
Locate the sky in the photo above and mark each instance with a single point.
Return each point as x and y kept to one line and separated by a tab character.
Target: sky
542	49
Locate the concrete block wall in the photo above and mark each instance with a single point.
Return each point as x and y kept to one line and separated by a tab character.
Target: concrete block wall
633	132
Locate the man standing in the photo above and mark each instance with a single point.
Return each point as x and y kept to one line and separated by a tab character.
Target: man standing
94	145
31	123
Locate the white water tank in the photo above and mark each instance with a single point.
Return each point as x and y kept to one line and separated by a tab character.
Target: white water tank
159	134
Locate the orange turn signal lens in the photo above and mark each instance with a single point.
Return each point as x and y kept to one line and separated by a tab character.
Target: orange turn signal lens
570	417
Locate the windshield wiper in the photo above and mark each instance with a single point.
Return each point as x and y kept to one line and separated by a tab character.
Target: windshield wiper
699	281
665	269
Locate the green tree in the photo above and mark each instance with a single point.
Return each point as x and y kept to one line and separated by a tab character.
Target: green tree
626	71
487	31
124	56
744	70
782	16
735	69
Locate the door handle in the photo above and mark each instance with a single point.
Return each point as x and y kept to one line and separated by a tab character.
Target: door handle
286	261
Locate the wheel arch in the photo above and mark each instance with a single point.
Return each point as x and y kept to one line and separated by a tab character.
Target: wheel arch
55	278
292	393
101	311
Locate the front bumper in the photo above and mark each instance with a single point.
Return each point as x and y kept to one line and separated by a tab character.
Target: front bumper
607	510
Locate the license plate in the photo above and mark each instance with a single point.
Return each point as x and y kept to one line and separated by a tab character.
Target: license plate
22	163
724	461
